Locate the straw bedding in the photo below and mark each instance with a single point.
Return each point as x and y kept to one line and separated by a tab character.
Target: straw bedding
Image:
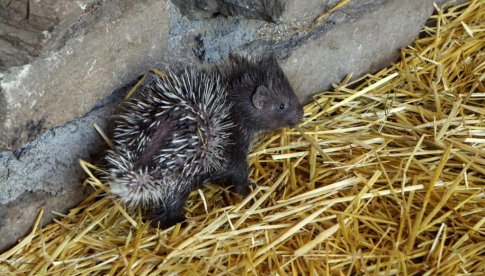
386	175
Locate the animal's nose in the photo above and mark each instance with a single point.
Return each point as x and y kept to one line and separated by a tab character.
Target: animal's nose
294	121
296	117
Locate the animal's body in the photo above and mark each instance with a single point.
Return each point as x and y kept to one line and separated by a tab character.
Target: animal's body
194	127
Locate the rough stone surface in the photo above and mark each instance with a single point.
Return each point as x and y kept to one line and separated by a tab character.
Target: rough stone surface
122	41
207	41
296	12
27	26
51	160
46	172
88	54
363	45
17	218
267	10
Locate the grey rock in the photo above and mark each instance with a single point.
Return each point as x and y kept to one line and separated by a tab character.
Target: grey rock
17	217
50	163
46	173
206	41
267	10
28	25
125	39
358	43
297	13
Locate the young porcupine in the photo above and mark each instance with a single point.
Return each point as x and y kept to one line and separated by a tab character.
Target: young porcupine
187	129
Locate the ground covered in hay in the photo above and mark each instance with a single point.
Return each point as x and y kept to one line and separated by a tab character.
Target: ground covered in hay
386	175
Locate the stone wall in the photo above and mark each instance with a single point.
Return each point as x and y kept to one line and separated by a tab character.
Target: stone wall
61	60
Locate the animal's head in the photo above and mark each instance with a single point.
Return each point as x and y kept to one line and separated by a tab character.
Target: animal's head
263	95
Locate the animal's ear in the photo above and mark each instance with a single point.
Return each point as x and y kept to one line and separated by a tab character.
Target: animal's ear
260	97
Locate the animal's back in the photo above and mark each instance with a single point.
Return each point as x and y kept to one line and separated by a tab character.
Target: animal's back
176	129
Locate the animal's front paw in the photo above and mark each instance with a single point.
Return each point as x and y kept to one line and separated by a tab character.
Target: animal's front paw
164	221
244	189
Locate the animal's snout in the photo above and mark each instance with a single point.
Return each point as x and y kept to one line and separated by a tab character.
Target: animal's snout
296	117
300	113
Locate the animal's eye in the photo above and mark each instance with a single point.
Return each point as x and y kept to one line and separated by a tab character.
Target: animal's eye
282	106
